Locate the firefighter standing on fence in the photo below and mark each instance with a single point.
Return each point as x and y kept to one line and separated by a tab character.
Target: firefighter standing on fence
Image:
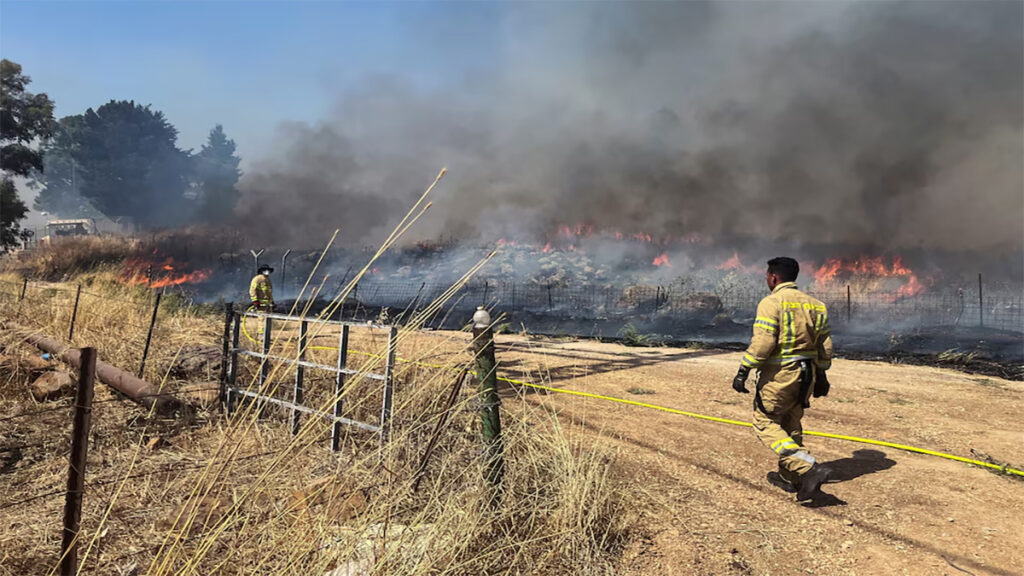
791	348
261	292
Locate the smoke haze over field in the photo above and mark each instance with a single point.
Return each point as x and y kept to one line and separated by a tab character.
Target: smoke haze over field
876	125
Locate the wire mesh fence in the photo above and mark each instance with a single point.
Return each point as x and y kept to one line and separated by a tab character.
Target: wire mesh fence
1002	310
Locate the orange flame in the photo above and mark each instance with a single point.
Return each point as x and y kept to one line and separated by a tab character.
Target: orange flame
662	260
159	274
835	269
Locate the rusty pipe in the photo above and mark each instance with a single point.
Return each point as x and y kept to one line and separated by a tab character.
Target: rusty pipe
136	389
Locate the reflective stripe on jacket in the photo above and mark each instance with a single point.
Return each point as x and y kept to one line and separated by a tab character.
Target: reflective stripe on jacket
790	326
260	290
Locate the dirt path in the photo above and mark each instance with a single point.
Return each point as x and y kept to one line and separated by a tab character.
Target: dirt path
708	508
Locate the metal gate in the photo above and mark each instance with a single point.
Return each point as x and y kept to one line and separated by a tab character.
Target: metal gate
231	393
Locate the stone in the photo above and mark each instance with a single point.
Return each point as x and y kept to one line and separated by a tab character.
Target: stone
34	364
52	385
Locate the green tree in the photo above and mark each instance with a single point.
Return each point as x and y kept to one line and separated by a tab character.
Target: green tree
128	164
24	119
217	173
59	182
12	211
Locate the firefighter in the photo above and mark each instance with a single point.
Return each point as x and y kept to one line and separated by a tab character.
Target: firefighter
791	349
261	292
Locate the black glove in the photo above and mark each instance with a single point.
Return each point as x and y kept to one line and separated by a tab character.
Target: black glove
739	383
821	384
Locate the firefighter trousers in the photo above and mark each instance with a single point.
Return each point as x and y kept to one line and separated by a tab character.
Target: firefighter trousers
778	425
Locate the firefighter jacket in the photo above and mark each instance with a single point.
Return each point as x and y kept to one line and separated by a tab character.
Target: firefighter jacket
261	291
790	326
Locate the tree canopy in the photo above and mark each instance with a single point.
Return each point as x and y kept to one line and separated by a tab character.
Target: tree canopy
25	118
217	173
129	165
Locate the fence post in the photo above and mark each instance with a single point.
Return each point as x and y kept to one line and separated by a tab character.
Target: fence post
74	313
149	334
549	297
981	304
848	306
299	373
339	387
77	461
24	286
229	312
233	368
486	373
284	265
389	388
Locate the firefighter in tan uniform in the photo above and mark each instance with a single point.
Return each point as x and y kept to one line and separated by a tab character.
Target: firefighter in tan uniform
791	348
261	292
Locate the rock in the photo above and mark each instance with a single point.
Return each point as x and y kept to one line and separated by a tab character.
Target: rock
405	544
34	364
52	385
197	362
848	522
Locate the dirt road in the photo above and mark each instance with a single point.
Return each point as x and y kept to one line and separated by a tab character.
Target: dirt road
707	508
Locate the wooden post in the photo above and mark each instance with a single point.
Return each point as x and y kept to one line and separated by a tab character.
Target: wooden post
76	468
229	401
74	313
225	354
299	372
389	388
339	387
981	304
486	374
486	287
848	307
24	286
149	334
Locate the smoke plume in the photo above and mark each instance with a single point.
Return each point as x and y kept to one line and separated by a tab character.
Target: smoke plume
890	125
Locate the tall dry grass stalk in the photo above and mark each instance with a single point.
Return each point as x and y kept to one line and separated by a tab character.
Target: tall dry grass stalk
255	500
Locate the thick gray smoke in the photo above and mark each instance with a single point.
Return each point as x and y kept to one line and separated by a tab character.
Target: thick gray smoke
871	125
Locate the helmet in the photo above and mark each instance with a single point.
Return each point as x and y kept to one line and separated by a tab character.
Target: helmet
264	268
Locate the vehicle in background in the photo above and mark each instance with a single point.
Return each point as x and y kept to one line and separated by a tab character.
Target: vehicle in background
67	228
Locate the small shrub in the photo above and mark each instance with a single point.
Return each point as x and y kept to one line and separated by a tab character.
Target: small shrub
640	391
632	337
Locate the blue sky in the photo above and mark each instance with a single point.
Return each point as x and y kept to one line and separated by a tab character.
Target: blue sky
246	65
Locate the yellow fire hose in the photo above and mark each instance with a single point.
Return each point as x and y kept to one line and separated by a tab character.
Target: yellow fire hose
904	447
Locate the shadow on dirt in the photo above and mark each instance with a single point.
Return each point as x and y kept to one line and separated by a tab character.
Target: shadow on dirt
861	463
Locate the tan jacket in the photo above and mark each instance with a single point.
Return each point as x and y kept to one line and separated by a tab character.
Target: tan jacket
790	326
261	291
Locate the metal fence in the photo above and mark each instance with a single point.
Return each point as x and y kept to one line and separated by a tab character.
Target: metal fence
232	393
1003	310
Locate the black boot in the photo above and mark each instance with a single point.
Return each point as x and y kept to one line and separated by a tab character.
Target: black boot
811	482
776	479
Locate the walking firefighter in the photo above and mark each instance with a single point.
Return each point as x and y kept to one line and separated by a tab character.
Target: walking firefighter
791	349
261	292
